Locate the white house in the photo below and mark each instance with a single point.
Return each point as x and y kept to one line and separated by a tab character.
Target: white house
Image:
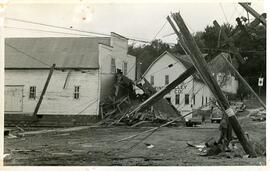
83	76
191	94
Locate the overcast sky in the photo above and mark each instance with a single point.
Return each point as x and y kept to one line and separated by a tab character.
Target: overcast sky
142	21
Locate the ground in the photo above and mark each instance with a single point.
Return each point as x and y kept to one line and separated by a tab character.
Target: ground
97	147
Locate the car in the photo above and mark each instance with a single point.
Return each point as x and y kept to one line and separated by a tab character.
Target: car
216	115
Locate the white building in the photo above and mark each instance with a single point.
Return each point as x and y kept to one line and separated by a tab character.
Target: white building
191	94
83	76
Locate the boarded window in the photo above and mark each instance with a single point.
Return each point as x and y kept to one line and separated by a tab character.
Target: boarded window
32	92
76	92
202	100
113	66
166	79
177	99
152	80
186	98
194	99
125	68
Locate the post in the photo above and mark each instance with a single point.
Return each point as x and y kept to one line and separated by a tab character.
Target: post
201	66
44	90
253	13
244	82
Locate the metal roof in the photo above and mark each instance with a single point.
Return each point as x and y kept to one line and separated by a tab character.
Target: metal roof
65	52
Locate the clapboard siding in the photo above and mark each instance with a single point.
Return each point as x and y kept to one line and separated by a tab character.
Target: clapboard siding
58	100
160	68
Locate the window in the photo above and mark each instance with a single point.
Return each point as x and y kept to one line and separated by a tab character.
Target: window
76	92
205	100
186	98
168	99
32	92
194	101
166	79
177	99
152	80
113	67
125	68
202	100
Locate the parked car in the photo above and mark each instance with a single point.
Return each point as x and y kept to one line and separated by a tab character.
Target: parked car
216	115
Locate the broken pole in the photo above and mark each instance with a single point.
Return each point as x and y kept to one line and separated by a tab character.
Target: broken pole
165	90
201	66
244	82
253	13
44	90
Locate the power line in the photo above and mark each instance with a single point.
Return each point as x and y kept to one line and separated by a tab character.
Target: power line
72	29
160	29
223	12
20	28
20	51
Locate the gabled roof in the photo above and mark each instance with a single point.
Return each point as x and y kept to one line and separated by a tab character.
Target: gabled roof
65	52
184	59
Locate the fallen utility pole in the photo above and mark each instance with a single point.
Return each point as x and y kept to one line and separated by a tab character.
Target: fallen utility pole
253	13
201	66
251	25
165	90
44	90
244	82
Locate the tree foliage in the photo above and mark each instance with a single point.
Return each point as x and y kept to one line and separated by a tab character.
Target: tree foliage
251	44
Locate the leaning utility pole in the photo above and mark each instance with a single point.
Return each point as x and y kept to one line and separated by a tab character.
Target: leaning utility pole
244	81
201	66
44	90
253	13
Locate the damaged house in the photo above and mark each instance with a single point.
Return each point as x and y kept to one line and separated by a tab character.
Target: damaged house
83	76
189	95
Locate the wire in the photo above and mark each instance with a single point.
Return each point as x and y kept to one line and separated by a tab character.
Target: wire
237	10
223	12
233	12
72	29
160	29
156	129
22	52
20	28
228	51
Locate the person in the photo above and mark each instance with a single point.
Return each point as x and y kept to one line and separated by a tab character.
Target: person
225	135
203	119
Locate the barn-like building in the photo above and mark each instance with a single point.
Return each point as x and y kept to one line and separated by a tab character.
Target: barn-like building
82	79
189	95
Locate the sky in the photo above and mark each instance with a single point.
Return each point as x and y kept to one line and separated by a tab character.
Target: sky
143	21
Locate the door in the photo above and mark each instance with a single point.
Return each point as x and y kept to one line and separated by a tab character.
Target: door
13	98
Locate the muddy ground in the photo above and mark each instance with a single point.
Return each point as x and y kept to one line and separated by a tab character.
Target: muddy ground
97	147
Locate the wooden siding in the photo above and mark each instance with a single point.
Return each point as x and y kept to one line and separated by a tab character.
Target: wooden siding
58	100
160	69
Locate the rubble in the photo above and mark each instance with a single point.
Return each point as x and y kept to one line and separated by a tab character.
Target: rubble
127	96
258	115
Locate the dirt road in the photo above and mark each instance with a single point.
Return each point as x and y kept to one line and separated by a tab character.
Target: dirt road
96	147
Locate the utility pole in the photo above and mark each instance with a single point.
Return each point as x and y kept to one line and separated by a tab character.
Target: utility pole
201	66
253	13
44	90
244	81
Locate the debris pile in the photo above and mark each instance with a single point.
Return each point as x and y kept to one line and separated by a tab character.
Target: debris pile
258	115
127	96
